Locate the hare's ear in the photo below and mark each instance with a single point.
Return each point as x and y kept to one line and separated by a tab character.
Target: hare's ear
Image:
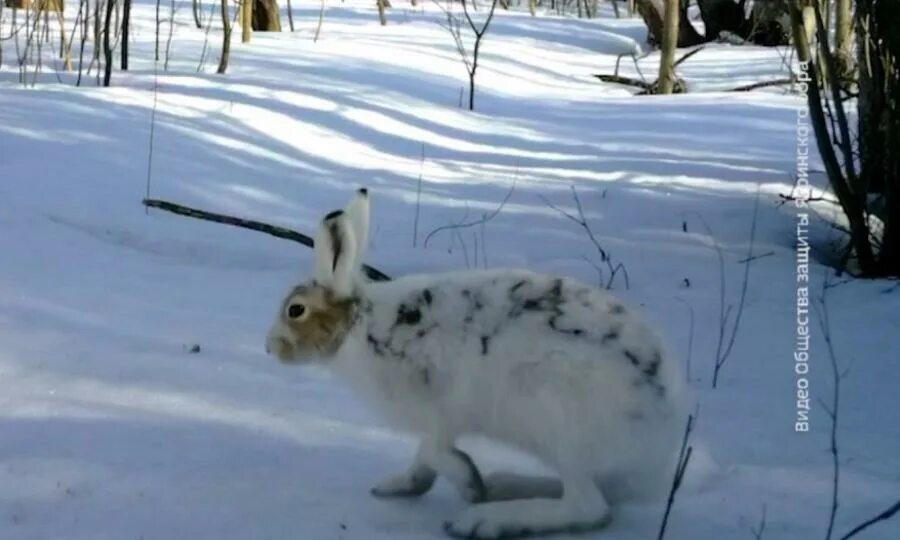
336	247
357	215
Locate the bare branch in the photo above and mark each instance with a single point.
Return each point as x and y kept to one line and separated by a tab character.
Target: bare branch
581	221
884	516
484	218
274	230
684	457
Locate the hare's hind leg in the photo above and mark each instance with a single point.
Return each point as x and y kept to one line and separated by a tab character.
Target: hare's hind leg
581	508
432	459
503	486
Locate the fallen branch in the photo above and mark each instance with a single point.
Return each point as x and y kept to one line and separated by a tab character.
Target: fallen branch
274	230
887	514
627	81
763	84
688	55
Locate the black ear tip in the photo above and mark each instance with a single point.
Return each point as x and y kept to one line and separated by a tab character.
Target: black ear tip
363	191
334	214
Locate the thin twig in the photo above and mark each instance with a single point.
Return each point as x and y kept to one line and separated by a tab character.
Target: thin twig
723	355
688	55
684	457
274	230
834	409
581	221
762	84
418	199
884	516
484	218
627	81
152	133
761	528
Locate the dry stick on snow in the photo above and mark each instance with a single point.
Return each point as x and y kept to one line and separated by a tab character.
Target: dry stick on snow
761	528
418	199
627	81
321	19
684	457
690	348
688	55
833	410
581	220
884	516
274	230
484	217
723	350
646	87
763	84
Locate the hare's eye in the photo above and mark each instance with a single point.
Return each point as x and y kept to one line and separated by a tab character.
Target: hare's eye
295	311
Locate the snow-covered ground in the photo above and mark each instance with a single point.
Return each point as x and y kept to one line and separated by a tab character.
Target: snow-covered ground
110	427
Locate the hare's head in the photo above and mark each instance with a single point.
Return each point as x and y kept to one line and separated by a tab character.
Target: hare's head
315	317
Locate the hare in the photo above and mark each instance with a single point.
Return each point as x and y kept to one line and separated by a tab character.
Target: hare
551	366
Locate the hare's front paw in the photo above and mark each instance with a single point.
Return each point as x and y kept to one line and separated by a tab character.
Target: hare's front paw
412	483
514	519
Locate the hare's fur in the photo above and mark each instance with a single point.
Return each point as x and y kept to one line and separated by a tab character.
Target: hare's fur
559	369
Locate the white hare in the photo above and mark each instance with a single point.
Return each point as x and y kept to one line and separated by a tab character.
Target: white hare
559	369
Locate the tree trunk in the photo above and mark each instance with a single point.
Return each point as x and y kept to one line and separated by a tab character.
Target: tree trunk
107	50
195	8
878	107
653	13
246	20
382	17
126	21
266	16
843	38
669	42
226	38
290	11
851	203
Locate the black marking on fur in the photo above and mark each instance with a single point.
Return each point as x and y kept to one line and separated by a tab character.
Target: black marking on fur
376	345
519	284
635	361
422	332
475	482
474	304
612	335
408	316
484	344
335	233
649	372
425	376
652	368
411	324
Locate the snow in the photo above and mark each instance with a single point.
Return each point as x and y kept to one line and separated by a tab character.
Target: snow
111	428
